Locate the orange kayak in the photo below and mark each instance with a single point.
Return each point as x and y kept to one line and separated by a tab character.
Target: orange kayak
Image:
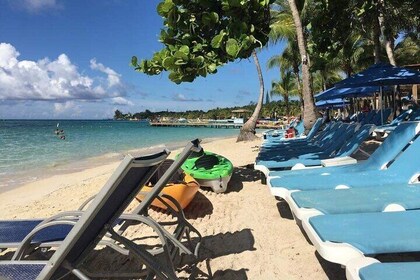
182	192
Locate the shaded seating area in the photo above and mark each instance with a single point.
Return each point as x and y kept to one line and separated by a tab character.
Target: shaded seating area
336	141
357	211
353	212
392	162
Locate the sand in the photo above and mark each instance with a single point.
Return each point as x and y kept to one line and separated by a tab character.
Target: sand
247	233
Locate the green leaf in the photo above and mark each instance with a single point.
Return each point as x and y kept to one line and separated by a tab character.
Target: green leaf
232	47
214	17
212	67
185	49
168	62
164	7
134	61
180	55
199	60
175	77
180	62
217	41
234	3
210	19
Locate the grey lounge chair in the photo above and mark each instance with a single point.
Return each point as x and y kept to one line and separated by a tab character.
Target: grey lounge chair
46	233
97	221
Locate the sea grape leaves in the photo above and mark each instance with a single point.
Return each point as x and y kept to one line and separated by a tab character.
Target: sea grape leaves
199	36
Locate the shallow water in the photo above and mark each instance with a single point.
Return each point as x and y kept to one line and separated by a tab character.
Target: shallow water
30	149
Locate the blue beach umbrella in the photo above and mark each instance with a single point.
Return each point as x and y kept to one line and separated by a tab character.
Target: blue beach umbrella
334	92
381	74
332	103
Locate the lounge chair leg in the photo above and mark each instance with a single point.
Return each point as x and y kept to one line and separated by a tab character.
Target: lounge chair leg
263	179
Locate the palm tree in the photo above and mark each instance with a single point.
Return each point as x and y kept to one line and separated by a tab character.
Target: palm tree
283	29
285	88
247	131
310	112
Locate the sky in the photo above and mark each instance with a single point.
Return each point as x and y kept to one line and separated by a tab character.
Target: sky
71	60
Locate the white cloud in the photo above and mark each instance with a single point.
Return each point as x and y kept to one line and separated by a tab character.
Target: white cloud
63	107
36	6
121	101
113	77
183	98
58	80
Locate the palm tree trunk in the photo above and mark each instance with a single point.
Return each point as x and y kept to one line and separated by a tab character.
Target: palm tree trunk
247	131
286	101
387	41
309	112
376	42
298	84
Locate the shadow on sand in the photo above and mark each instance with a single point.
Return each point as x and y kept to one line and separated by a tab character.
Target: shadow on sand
242	174
332	270
199	207
224	244
284	209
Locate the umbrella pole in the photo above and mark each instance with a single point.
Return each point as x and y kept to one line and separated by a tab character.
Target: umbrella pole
381	96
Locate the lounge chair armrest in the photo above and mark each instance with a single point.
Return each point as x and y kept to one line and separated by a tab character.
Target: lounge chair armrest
67	215
86	202
164	235
338	161
26	241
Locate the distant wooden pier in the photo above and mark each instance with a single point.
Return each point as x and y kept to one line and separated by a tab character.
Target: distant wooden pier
198	124
209	125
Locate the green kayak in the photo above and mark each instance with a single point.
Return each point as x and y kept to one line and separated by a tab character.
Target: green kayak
209	169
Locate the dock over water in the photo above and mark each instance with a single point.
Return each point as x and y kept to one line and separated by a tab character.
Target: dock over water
198	124
207	124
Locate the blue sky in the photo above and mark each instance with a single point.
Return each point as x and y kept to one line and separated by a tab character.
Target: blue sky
70	59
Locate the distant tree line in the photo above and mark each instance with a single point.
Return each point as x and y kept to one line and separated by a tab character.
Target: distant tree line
271	110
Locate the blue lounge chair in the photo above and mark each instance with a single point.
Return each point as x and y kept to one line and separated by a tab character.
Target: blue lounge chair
371	269
280	136
386	152
88	227
341	146
380	130
296	142
381	117
376	198
342	238
414	116
394	162
279	151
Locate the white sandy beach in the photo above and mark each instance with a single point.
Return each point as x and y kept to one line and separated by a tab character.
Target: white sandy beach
248	234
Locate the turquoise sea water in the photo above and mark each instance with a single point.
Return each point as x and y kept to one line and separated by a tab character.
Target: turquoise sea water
29	149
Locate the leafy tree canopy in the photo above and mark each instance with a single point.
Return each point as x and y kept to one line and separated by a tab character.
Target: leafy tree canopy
201	35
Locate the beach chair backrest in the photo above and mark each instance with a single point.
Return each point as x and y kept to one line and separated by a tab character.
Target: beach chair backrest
121	188
407	163
329	137
314	129
355	141
329	126
368	118
415	116
381	117
401	117
392	145
340	138
300	128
